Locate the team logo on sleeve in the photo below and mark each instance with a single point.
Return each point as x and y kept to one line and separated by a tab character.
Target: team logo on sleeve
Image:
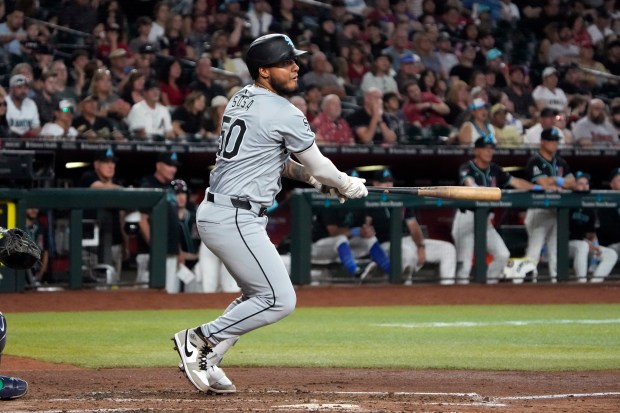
306	124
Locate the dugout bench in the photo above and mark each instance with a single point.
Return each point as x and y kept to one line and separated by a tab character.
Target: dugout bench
76	200
305	200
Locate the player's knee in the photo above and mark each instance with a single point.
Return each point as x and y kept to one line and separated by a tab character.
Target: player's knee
287	304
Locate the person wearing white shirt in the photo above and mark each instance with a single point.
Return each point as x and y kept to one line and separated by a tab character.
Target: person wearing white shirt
161	11
548	117
22	114
600	29
149	119
61	127
548	94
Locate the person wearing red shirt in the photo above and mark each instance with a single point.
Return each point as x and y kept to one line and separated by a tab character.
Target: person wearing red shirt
329	126
423	108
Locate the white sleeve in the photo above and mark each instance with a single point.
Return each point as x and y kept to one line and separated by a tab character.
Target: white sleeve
135	120
320	167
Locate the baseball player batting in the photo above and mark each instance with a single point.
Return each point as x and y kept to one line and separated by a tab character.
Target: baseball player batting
260	130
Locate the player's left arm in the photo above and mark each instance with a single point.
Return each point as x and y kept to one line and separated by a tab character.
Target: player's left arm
295	170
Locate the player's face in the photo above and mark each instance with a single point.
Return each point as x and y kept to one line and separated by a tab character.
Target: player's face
283	76
485	154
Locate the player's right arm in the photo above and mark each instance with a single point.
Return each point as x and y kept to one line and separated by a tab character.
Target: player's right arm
324	171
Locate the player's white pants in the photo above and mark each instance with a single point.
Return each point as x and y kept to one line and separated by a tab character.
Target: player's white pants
463	235
238	237
325	250
542	227
437	251
579	251
213	274
173	283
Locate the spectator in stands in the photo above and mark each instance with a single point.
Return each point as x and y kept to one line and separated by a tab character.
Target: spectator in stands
578	28
380	76
609	218
222	59
469	33
573	83
376	41
451	22
349	35
114	243
109	104
165	172
548	119
188	119
112	42
548	171
213	124
300	103
329	126
615	115
63	91
144	61
204	80
11	34
133	91
260	18
148	119
445	54
198	37
313	97
594	129
369	123
410	70
478	125
43	58
495	65
587	61
119	69
173	91
77	76
464	69
161	12
416	250
424	46
563	51
583	242
423	109
600	29
321	76
548	94
612	57
61	125
80	15
46	99
143	28
22	114
382	13
457	99
358	64
5	131
395	117
34	38
505	134
520	95
291	18
174	42
399	47
482	171
92	127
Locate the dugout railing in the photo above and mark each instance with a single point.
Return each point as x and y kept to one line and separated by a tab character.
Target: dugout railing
76	201
304	201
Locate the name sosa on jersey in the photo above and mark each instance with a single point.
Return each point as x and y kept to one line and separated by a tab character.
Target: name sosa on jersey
241	101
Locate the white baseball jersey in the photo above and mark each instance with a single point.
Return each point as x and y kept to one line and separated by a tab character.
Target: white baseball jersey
22	119
257	120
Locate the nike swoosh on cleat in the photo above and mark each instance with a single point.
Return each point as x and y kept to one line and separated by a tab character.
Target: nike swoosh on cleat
187	353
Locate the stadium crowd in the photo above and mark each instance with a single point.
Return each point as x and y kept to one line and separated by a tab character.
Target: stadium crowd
378	72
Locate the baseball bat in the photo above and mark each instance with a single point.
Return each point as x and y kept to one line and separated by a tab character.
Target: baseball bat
471	193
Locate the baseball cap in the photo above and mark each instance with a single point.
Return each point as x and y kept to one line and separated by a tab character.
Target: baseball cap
117	53
18	80
581	174
107	155
477	104
549	70
498	107
493	54
614	172
66	106
485	141
146	48
548	112
410	58
219	100
550	135
151	84
169	158
179	186
383	176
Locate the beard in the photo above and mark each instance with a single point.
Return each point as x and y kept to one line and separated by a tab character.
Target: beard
598	119
282	89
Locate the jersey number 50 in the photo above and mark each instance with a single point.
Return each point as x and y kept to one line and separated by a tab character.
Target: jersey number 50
231	135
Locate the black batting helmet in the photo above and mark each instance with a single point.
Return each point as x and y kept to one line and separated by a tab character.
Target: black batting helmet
268	50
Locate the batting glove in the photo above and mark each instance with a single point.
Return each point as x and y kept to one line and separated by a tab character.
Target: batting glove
353	187
325	189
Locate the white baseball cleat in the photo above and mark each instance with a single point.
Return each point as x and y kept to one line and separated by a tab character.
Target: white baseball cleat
196	365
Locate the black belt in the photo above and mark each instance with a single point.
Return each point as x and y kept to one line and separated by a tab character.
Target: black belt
235	203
